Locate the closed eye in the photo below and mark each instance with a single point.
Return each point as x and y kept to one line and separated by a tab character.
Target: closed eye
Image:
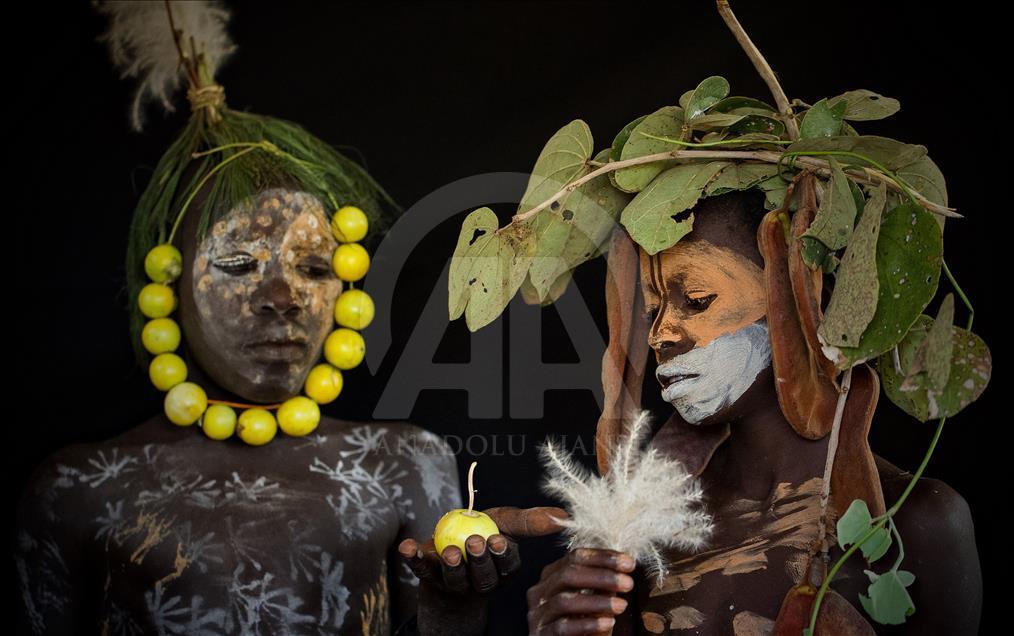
236	264
315	267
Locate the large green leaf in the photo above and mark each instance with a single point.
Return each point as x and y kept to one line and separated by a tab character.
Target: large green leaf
574	233
621	139
887	152
709	92
925	178
822	120
649	217
864	105
664	122
912	388
563	159
909	257
856	286
740	105
487	268
836	215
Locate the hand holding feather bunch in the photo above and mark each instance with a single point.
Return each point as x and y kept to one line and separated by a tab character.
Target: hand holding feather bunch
645	503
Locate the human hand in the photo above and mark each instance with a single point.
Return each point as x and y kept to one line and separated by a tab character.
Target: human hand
576	595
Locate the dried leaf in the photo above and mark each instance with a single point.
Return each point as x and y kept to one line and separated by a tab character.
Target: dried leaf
836	215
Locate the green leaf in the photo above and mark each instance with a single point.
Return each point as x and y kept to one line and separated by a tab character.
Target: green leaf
877	545
939	345
487	267
563	159
709	92
755	123
853	524
664	122
832	225
817	255
715	121
887	152
574	233
909	257
730	104
856	286
684	100
888	602
822	120
774	192
864	105
621	139
649	217
923	176
740	176
910	387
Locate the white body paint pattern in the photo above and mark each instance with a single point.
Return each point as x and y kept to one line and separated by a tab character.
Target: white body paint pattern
725	368
226	545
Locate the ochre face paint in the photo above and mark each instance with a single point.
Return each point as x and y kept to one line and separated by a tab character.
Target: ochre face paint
708	329
264	291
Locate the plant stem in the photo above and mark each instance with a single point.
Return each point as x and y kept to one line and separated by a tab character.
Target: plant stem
710	144
868	175
893	510
961	295
471	489
832	449
200	185
762	66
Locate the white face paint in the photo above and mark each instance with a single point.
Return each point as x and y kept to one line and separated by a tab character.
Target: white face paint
705	380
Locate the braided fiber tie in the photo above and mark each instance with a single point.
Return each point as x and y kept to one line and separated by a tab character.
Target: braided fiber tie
211	97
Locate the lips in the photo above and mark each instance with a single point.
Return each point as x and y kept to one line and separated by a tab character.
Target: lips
277	349
668	380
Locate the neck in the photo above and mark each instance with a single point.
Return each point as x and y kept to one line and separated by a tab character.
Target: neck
763	450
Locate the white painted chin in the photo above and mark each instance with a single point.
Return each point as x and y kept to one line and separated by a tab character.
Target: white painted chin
721	372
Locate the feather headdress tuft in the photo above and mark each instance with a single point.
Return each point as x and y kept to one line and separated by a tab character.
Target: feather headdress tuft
143	45
644	504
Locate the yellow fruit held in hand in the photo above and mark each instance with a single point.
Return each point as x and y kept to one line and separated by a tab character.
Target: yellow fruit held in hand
256	427
344	348
324	384
219	422
160	335
349	224
163	264
350	261
185	403
456	526
167	370
298	416
354	309
156	300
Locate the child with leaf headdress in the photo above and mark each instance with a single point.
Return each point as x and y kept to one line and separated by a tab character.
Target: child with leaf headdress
778	263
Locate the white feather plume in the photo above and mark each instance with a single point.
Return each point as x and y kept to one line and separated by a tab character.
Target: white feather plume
142	45
645	504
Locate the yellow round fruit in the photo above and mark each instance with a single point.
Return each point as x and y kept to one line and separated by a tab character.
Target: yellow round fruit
167	370
156	300
256	427
298	416
185	403
219	422
163	264
350	262
160	335
354	309
323	384
349	224
457	525
344	348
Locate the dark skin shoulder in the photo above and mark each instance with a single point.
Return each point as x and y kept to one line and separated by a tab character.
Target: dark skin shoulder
935	524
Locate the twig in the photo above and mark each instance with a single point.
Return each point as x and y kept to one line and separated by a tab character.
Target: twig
832	449
762	66
864	175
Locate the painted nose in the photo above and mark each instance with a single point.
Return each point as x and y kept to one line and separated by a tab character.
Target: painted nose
275	296
669	342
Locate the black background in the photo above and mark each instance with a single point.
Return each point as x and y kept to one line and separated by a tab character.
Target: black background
430	93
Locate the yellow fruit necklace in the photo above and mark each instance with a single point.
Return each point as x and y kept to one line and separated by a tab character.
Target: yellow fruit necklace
186	403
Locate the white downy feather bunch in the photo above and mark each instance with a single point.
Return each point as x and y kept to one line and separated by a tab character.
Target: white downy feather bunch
142	45
645	503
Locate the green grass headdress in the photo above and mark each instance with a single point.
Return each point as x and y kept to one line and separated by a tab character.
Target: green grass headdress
227	155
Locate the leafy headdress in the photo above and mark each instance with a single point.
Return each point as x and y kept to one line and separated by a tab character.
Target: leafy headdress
859	213
225	155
